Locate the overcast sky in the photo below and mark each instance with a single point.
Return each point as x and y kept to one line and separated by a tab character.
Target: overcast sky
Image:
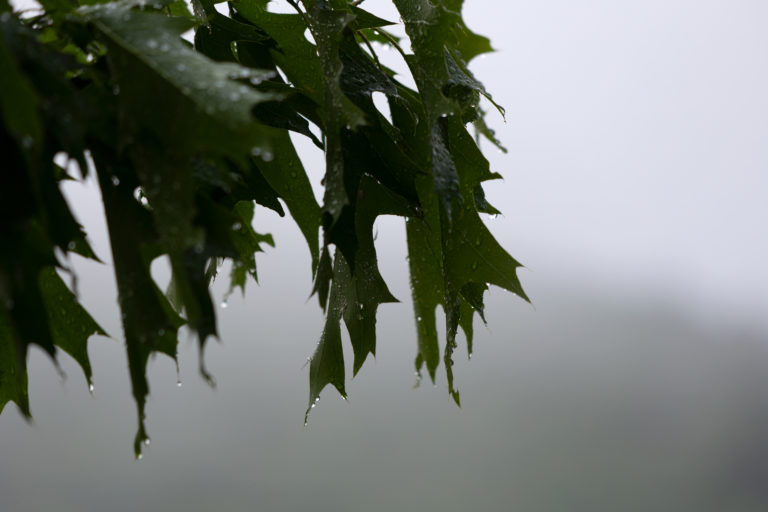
637	135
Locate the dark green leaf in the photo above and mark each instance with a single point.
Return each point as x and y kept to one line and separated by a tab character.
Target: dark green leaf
327	363
71	326
13	367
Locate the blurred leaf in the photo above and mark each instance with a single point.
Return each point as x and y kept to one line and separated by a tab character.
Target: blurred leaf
13	368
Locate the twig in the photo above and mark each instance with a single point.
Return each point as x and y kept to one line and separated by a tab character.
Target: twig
303	14
370	47
392	41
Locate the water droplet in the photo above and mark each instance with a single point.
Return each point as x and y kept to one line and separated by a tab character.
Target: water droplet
178	383
224	305
418	319
255	151
27	141
234	96
165	47
90	388
140	456
151	44
267	156
115	180
71	246
146	442
181	67
236	226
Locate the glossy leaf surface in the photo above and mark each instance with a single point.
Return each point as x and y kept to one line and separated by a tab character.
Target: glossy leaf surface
188	136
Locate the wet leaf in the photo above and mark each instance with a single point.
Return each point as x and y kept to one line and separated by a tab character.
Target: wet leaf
188	140
71	326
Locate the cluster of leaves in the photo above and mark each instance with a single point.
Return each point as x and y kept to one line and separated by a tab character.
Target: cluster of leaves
185	139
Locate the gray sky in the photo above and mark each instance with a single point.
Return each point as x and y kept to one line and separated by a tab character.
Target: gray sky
637	135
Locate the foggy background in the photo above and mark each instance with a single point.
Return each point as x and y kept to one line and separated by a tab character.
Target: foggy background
634	194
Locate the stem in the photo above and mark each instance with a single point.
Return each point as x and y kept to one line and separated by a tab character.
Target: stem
391	41
370	47
303	14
